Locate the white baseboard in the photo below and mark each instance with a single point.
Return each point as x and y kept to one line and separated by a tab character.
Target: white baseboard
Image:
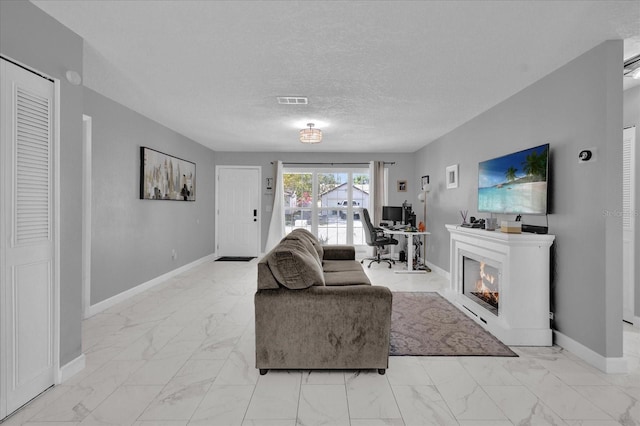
71	368
616	365
438	270
120	297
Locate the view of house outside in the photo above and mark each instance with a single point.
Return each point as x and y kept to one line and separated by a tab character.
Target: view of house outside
327	203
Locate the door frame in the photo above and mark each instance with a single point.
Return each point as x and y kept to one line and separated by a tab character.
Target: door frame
56	244
217	210
86	214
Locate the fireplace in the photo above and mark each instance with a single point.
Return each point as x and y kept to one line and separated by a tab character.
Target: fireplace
502	282
481	283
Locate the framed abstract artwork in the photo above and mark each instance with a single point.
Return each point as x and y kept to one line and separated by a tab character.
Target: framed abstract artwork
165	177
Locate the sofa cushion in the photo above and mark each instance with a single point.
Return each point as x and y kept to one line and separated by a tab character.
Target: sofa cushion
293	266
308	245
341	265
303	234
346	278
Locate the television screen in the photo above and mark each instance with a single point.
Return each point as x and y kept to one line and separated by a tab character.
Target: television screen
392	213
515	183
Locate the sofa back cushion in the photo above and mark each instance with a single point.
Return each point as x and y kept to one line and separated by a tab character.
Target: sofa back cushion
303	234
294	266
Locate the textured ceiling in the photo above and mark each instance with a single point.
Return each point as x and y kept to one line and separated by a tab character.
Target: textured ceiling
380	76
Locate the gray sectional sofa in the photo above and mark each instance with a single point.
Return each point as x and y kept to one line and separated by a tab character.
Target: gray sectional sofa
315	308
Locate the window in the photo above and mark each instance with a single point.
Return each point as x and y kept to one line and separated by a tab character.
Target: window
328	203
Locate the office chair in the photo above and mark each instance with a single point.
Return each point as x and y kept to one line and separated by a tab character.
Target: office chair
376	238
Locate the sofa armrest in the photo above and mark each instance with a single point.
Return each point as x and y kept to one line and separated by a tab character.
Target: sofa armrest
323	327
339	252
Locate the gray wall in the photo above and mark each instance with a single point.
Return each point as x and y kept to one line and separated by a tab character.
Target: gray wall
403	169
631	117
132	239
32	37
577	106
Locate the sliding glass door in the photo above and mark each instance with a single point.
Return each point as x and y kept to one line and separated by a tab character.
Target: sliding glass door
327	202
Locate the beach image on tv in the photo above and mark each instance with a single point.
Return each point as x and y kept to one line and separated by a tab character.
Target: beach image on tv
514	183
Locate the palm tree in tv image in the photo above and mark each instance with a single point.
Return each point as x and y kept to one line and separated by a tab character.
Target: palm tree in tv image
535	165
510	174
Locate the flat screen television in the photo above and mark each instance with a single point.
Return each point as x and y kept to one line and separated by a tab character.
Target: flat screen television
516	183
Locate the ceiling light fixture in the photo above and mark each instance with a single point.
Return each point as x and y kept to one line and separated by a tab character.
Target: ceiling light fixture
632	67
310	135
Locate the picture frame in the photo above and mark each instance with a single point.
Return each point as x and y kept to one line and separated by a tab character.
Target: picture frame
451	176
424	182
402	185
165	177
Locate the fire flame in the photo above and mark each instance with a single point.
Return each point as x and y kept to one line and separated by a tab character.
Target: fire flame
485	292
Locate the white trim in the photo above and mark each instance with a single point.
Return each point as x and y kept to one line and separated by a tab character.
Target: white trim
438	270
617	365
56	230
86	214
636	322
72	368
121	297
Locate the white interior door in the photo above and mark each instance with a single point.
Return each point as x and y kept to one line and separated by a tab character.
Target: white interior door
238	211
26	236
628	223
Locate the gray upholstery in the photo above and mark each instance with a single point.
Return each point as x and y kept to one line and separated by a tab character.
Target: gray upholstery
343	324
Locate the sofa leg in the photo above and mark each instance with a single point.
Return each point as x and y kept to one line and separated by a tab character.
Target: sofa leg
263	371
381	371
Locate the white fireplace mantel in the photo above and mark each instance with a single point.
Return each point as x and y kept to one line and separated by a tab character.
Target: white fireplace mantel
523	262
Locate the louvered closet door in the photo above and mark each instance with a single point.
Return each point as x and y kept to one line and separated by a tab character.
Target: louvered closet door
27	240
628	223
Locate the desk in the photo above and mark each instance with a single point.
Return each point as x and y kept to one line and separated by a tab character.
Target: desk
410	266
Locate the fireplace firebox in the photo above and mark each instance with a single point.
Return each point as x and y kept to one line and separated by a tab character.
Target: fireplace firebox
481	283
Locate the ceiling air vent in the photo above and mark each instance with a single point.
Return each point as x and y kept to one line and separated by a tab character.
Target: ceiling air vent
293	100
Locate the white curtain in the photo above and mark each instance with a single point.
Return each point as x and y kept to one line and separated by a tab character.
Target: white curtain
276	227
376	197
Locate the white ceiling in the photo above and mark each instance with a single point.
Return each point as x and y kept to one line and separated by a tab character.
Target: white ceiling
381	76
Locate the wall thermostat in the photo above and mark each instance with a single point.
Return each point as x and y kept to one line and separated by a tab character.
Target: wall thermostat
587	155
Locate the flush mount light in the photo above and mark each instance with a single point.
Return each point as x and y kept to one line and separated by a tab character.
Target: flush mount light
73	77
310	135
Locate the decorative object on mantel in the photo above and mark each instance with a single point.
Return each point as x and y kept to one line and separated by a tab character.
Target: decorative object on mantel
310	135
511	227
452	176
165	177
464	213
402	186
426	324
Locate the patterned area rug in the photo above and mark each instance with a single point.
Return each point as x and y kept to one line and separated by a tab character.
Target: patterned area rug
426	324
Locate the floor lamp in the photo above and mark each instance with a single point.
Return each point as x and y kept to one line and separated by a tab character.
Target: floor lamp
423	198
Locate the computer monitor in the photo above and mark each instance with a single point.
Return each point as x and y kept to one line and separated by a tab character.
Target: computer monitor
392	213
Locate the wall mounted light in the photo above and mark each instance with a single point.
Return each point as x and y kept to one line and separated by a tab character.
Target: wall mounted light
73	77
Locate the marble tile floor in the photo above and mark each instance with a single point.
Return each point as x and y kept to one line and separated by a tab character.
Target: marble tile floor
182	353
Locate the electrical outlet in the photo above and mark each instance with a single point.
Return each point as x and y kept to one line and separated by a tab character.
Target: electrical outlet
174	254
